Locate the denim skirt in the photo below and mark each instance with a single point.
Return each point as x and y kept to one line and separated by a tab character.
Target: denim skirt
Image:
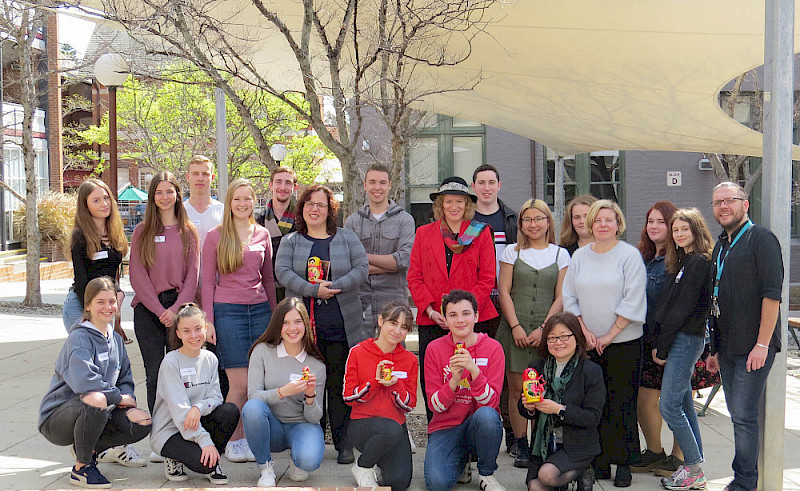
238	326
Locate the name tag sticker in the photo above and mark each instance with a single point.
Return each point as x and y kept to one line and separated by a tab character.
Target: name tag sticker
294	376
160	238
400	374
258	248
482	362
187	372
100	255
102	356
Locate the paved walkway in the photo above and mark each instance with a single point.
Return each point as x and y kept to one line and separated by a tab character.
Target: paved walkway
28	346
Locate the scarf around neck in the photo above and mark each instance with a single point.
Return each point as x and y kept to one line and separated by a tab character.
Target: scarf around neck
286	222
458	243
554	392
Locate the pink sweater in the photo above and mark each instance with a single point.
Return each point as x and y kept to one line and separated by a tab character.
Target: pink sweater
450	408
252	283
170	270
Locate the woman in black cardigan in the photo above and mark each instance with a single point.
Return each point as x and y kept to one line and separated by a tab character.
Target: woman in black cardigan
565	437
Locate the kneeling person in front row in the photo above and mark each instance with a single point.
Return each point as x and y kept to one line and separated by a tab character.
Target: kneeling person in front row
463	379
191	425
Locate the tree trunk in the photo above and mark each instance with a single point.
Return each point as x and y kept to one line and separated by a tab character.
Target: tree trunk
33	292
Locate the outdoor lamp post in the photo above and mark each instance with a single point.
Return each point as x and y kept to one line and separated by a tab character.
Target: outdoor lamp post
111	70
278	152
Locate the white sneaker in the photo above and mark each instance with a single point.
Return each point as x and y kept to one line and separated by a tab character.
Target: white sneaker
295	473
489	483
411	440
156	458
246	446
378	475
466	474
125	455
174	470
365	476
267	479
235	452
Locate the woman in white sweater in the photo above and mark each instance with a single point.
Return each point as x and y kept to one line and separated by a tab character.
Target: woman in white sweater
283	410
191	425
605	288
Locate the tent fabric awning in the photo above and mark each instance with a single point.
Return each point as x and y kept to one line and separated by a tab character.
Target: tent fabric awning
131	193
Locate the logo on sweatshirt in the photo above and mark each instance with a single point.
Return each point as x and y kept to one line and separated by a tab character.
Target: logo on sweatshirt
189	385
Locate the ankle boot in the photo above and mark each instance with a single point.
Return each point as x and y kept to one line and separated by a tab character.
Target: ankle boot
523	458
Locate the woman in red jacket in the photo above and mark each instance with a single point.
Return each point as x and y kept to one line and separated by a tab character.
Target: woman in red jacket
455	251
380	383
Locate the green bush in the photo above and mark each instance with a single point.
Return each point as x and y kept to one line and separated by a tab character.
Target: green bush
56	217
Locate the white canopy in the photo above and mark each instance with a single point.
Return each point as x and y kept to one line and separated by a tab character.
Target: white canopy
582	76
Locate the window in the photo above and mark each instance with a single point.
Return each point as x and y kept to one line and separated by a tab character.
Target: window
444	147
597	173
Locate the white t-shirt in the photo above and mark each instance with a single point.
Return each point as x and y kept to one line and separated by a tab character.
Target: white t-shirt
537	258
207	220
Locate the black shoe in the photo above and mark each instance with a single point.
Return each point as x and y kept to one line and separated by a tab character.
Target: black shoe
511	442
586	481
89	477
345	456
602	472
513	450
523	458
648	460
622	479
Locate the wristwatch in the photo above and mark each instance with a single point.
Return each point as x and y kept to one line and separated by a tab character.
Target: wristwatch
562	412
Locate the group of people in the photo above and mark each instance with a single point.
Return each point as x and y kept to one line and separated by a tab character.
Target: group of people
258	330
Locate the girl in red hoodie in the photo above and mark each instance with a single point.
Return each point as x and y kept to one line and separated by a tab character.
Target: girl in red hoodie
380	383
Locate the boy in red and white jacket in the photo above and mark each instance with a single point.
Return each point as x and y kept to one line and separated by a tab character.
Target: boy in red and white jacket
463	380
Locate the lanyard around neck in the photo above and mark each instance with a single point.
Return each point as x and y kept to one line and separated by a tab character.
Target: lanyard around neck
721	258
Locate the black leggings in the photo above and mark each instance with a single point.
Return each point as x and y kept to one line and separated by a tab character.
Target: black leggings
335	411
91	429
153	341
220	424
384	442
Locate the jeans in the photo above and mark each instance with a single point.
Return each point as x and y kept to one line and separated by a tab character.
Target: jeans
220	424
448	450
744	394
91	429
677	407
383	442
72	311
266	434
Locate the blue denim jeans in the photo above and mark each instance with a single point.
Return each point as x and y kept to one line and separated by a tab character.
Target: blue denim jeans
744	394
677	407
72	311
266	434
449	449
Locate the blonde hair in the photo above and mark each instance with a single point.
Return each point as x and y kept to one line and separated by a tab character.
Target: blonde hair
230	249
200	159
152	225
84	223
702	243
523	241
568	234
438	207
606	204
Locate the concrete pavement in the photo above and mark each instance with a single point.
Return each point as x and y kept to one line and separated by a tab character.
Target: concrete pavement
29	344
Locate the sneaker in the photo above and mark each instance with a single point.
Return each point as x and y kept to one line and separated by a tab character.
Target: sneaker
685	479
489	483
217	477
668	466
174	470
89	477
156	458
378	474
466	474
235	452
365	476
246	446
295	473
267	479
648	460
125	455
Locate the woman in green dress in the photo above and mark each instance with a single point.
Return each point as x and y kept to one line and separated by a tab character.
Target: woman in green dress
530	280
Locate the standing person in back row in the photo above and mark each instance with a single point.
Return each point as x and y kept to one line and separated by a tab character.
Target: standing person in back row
746	280
204	211
278	216
503	220
387	233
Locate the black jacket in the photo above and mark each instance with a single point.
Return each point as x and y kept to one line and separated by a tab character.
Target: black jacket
584	397
683	306
510	217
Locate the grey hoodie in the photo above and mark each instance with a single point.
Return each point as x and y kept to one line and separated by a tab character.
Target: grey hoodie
88	362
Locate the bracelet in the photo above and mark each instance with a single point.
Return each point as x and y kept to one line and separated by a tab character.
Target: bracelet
278	390
310	396
518	325
762	345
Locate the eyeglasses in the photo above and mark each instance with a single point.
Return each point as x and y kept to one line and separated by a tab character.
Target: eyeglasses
537	220
728	202
563	338
319	206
